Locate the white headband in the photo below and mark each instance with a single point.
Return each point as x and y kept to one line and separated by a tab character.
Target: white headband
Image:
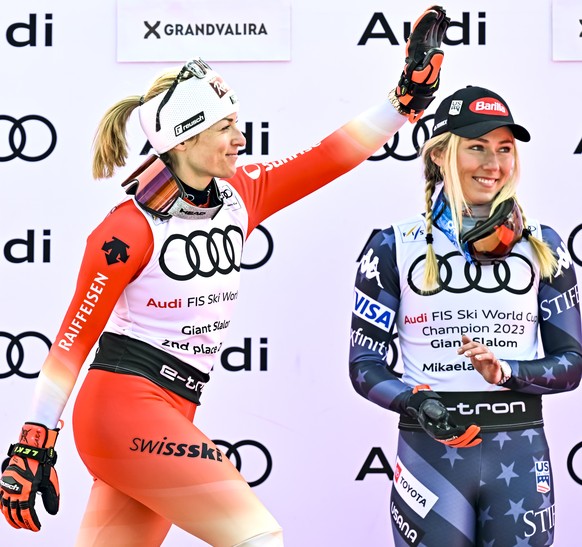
188	107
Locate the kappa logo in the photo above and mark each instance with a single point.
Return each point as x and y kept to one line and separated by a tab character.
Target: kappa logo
564	259
369	267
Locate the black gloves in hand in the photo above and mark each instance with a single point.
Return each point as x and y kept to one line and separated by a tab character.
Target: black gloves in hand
28	470
420	78
434	418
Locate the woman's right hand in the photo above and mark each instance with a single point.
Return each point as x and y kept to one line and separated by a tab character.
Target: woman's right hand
482	359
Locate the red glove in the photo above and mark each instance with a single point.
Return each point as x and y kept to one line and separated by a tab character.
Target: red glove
434	418
29	470
420	77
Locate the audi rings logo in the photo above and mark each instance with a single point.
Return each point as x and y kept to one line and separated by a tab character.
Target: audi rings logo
391	357
30	138
420	134
251	247
571	241
207	253
15	352
461	277
570	463
258	460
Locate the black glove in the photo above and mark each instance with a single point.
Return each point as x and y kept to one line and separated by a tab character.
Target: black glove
420	78
28	470
434	418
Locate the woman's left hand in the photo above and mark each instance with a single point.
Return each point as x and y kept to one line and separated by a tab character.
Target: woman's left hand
482	359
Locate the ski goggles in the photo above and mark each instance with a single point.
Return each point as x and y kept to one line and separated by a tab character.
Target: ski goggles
493	239
154	186
160	192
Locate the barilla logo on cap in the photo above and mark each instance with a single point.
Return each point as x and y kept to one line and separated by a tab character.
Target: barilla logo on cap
488	105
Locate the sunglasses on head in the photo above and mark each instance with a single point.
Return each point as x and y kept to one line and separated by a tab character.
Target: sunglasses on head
197	68
155	187
493	239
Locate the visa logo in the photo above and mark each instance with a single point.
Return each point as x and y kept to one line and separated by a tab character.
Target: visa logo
372	311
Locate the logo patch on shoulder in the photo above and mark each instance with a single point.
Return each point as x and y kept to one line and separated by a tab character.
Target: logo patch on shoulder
414	231
229	198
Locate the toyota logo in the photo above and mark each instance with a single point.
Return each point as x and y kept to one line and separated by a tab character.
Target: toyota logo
258	460
15	353
35	139
419	128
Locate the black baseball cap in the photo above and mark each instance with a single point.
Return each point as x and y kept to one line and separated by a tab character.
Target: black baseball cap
473	111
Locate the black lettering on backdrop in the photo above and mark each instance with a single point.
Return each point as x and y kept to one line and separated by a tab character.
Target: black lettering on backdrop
29	33
384	469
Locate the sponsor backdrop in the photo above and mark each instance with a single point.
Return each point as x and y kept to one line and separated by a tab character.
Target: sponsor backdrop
280	402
